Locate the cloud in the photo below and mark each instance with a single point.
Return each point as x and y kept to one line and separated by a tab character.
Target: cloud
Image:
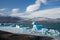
31	13
32	7
50	13
44	1
15	12
35	6
2	11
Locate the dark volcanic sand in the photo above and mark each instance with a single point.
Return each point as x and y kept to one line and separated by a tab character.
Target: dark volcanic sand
10	36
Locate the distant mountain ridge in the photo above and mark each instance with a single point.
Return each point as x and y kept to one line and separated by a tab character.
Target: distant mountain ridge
8	19
45	19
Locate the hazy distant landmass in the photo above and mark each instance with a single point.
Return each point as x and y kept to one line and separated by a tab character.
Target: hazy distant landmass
8	19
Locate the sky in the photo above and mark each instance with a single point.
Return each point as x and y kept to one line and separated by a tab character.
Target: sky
30	8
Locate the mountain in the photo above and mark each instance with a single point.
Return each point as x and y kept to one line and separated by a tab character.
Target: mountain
39	18
45	19
9	19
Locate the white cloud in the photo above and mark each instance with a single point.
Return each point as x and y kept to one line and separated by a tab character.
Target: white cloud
35	6
41	1
50	13
16	12
2	11
31	11
32	7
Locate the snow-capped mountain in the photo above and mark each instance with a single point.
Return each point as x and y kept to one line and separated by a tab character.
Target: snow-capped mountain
45	19
39	18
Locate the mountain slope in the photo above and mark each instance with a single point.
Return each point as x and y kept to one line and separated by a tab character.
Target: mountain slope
8	19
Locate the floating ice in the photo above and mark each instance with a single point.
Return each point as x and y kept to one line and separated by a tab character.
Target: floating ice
36	29
53	32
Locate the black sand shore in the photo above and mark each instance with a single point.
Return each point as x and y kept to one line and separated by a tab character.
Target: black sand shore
10	36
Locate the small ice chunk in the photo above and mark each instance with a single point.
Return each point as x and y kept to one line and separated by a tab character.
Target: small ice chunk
17	26
53	32
44	31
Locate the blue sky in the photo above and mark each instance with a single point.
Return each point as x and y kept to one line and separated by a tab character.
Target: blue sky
27	8
22	4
